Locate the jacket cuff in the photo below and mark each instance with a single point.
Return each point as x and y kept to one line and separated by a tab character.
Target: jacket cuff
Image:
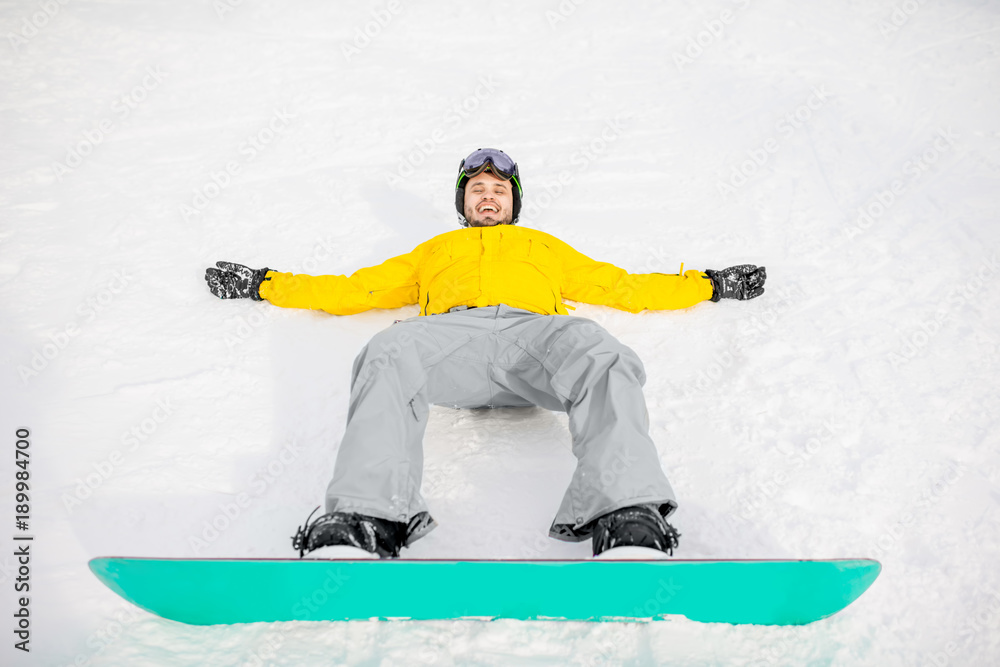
260	277
716	294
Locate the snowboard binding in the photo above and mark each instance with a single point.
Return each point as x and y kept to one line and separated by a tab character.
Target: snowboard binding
378	536
638	526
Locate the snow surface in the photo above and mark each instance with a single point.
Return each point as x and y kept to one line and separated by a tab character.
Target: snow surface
851	411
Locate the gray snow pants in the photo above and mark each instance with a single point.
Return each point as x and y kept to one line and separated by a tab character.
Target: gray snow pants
497	356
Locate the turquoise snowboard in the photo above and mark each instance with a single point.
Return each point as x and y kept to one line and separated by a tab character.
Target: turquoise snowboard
211	591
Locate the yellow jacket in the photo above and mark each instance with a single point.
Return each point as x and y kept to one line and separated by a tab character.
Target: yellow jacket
487	266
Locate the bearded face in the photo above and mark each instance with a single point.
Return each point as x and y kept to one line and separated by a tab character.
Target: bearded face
489	201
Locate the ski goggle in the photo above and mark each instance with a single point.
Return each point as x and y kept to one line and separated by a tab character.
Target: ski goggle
492	159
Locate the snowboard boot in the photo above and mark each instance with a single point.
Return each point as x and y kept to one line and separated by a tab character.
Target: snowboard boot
378	536
635	526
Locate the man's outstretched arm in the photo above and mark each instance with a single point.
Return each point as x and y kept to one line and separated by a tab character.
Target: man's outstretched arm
391	284
604	284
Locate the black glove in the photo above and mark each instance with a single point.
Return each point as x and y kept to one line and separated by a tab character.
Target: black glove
742	282
235	281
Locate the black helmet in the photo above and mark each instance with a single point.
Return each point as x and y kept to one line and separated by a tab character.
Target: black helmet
497	162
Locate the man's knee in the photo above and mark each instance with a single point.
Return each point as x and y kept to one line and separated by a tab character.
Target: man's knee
585	348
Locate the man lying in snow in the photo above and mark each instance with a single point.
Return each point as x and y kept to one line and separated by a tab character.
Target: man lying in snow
493	331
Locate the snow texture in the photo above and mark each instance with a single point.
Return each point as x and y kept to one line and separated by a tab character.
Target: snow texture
851	147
